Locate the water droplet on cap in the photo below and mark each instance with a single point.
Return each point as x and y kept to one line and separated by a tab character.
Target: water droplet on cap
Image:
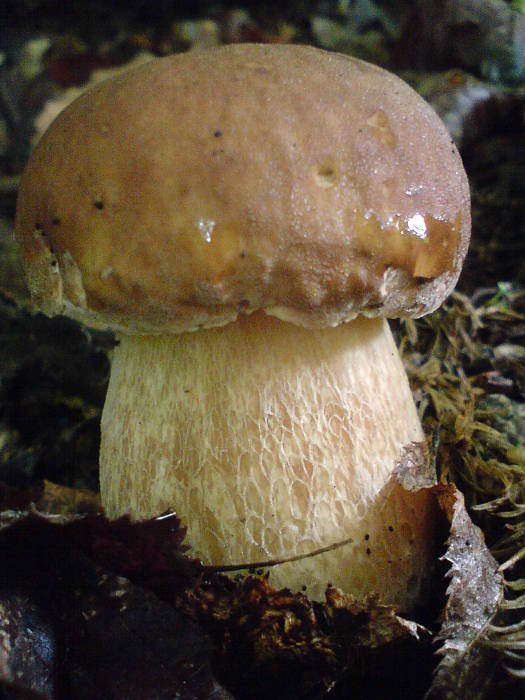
416	225
206	227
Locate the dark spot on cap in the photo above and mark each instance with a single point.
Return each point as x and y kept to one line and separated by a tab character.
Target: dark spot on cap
98	204
390	528
217	133
367	537
368	550
55	221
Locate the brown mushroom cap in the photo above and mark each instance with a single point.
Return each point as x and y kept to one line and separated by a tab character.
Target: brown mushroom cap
199	186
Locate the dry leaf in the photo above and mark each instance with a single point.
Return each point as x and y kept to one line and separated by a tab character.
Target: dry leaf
475	593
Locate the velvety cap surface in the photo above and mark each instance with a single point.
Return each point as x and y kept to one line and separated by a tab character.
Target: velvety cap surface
203	185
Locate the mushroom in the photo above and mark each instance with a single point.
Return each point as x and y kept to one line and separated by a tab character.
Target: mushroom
245	218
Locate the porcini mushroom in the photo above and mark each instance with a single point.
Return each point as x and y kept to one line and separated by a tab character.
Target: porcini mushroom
245	218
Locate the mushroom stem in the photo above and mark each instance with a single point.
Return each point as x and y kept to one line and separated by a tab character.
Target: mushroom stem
272	441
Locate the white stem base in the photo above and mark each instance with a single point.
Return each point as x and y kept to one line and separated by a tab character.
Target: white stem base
272	441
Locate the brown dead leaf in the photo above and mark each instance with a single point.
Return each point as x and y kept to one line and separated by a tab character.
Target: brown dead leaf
69	629
474	595
64	500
